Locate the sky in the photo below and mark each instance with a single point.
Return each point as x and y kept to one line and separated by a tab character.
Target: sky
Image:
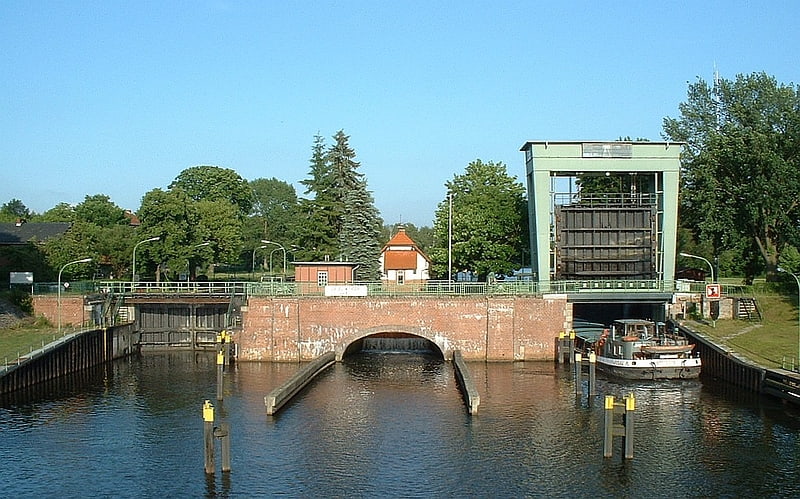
118	97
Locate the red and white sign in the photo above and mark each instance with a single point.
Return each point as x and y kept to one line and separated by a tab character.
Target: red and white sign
713	291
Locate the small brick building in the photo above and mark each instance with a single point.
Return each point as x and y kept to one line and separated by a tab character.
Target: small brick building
324	273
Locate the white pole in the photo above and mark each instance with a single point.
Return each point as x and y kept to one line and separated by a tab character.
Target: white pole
450	240
82	260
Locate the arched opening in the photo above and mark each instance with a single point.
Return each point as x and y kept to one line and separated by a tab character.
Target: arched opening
393	342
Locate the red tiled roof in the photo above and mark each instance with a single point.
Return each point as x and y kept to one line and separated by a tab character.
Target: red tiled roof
400	260
401	239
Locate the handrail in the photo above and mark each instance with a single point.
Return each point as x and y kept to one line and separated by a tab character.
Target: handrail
427	288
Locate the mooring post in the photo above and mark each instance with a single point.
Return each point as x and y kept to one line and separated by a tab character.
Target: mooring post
208	436
630	407
592	372
560	348
224	434
624	430
225	340
608	427
220	363
578	360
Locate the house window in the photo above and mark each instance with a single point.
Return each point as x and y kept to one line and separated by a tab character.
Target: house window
322	278
401	277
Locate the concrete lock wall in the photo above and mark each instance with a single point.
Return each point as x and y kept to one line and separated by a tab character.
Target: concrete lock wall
482	327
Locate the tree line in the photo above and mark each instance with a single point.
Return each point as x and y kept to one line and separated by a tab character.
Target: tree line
738	205
210	218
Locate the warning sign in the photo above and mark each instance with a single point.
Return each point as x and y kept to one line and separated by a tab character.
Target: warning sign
713	291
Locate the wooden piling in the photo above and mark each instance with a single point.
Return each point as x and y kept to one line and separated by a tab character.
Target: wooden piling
224	435
220	366
208	436
630	407
625	430
608	426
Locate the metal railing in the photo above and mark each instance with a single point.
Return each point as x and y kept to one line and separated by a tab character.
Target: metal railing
173	288
428	288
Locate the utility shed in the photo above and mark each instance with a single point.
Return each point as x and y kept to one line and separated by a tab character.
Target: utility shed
625	232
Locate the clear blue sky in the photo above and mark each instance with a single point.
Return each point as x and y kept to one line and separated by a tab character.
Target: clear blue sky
118	97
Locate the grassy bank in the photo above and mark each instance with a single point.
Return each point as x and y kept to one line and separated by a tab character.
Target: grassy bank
26	335
770	342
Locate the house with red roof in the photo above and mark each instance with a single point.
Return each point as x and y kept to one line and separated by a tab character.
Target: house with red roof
402	262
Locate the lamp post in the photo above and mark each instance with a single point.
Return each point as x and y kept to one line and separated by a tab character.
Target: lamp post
188	263
450	239
687	255
156	238
254	258
284	253
82	260
713	281
797	279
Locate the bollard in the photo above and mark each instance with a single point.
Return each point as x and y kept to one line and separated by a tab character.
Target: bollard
608	426
228	345
560	344
625	430
208	436
592	373
578	359
220	362
630	407
224	434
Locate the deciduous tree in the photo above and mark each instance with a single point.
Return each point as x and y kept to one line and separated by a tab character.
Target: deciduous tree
740	170
14	210
212	183
489	228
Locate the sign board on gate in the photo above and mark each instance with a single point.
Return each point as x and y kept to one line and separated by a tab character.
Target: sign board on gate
346	290
21	278
713	291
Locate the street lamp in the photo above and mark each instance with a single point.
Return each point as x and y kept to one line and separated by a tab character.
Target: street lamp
450	240
797	279
687	255
82	260
156	238
282	248
254	257
189	264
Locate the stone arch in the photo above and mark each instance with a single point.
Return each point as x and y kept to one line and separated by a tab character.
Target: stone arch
440	342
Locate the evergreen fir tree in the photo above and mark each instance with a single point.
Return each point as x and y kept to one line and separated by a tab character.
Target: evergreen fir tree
341	220
360	229
361	233
319	233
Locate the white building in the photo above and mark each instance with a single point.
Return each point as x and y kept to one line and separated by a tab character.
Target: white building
402	262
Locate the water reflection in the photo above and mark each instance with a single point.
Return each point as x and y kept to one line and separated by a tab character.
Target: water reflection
389	425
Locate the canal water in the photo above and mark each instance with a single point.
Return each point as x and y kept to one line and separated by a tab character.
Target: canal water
388	425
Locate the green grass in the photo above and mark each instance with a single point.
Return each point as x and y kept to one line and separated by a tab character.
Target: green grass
26	335
769	343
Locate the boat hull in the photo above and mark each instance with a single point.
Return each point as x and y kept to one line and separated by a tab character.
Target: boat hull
650	369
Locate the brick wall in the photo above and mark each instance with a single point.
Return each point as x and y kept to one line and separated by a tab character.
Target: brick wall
483	328
73	311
